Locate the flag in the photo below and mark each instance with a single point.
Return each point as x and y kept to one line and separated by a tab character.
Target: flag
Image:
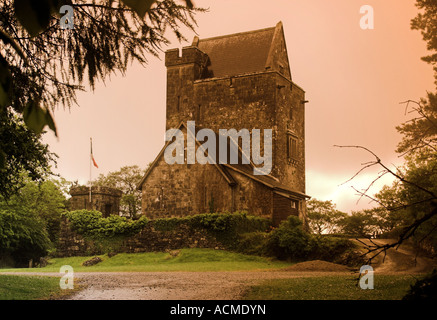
94	161
92	157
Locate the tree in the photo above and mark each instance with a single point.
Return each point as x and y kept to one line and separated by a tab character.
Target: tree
360	224
126	179
426	23
42	66
20	151
30	220
22	237
323	217
45	201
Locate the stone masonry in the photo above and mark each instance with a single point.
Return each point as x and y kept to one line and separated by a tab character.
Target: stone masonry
238	81
103	199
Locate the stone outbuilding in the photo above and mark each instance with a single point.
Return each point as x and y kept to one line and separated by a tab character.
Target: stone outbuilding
238	81
103	199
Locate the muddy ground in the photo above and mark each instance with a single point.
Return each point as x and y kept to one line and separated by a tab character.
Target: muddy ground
223	285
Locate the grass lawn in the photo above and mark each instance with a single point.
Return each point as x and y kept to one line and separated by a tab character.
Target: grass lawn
386	287
187	260
30	287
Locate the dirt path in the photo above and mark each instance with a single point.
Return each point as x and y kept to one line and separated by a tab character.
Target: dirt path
172	285
400	260
221	285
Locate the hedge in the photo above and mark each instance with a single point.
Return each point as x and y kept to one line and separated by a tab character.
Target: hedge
91	223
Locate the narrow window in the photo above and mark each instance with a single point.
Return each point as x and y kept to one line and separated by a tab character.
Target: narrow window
178	105
292	147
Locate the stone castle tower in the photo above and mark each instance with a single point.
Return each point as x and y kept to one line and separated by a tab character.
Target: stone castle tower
238	81
103	199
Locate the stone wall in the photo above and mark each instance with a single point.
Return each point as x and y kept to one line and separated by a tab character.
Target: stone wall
148	240
103	199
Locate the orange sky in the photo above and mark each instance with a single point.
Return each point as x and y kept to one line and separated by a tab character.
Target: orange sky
353	78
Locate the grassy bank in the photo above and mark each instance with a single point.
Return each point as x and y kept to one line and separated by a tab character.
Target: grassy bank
386	287
181	260
18	287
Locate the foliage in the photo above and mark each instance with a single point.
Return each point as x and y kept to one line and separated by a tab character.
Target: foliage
424	289
20	151
334	249
426	22
22	236
323	217
126	179
226	227
45	200
420	133
406	203
360	224
290	240
43	66
30	220
91	223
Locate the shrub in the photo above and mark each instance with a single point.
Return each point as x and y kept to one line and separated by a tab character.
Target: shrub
424	289
22	237
255	243
225	227
91	223
290	240
333	249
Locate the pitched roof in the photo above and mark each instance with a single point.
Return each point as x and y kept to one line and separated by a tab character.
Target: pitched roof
245	169
268	180
221	168
237	54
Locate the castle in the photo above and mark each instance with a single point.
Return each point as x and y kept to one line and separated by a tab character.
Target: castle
103	199
238	81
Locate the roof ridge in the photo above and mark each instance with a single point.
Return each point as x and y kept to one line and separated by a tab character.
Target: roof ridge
236	34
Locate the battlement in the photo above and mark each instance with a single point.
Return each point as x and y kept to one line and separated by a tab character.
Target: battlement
190	55
95	190
103	199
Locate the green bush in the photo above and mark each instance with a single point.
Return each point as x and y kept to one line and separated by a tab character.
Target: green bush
330	248
290	241
22	237
225	227
91	223
254	243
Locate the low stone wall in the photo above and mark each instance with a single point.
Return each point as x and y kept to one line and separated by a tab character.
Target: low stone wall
147	240
70	243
